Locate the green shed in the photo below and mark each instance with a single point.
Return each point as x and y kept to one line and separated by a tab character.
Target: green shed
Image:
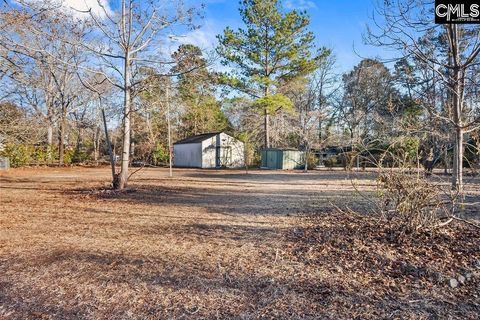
284	159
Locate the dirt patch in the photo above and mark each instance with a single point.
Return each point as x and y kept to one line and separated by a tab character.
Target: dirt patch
216	244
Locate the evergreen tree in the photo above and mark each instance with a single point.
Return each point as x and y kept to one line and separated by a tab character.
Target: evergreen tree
196	92
274	48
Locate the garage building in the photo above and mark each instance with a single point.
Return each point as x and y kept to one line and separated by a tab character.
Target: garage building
209	150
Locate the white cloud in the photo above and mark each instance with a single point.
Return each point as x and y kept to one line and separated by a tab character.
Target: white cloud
299	4
205	37
199	38
84	5
78	8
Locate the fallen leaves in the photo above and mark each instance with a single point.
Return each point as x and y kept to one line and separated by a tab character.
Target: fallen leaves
384	275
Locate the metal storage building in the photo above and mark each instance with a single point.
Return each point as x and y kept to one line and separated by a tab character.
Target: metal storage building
285	159
209	150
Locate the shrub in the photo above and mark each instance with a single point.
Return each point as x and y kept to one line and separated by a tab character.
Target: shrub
19	154
255	160
331	162
312	161
409	202
160	154
40	155
68	155
78	156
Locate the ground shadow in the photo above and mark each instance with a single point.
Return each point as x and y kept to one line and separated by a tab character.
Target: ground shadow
248	201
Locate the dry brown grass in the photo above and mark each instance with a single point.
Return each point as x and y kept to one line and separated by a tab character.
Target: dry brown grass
209	244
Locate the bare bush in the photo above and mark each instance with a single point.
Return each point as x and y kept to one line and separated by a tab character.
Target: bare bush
407	198
411	202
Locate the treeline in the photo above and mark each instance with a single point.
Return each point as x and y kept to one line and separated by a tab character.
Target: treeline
60	68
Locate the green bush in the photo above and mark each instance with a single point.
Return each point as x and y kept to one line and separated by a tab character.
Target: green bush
26	154
160	154
78	156
19	154
68	155
40	155
255	160
312	161
407	149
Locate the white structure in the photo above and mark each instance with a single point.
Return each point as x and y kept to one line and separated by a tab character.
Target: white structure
209	150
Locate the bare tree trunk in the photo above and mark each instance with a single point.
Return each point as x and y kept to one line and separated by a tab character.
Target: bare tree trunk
170	172
132	138
457	177
95	146
306	158
320	136
49	141
49	134
245	155
267	129
123	175
457	86
266	123
349	162
358	161
457	174
445	159
61	139
96	143
110	152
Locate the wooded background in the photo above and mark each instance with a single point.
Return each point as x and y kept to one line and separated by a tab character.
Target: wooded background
269	83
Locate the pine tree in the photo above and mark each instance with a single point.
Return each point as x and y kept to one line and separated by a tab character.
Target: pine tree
196	91
274	48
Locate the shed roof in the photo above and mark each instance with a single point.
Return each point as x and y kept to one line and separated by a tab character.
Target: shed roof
198	138
282	149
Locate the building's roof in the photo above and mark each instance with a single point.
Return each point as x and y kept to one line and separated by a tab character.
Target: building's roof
198	138
281	149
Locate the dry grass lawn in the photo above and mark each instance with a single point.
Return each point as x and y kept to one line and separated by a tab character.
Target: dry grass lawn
218	244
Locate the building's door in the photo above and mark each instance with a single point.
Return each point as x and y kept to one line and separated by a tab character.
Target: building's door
272	159
224	156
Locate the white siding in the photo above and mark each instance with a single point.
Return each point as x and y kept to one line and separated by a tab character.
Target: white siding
187	155
237	153
204	154
209	152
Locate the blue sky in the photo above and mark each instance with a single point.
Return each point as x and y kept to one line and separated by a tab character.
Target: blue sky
337	24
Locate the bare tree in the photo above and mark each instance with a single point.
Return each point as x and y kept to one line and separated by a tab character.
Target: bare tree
401	26
125	40
156	99
325	85
32	48
31	82
17	125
